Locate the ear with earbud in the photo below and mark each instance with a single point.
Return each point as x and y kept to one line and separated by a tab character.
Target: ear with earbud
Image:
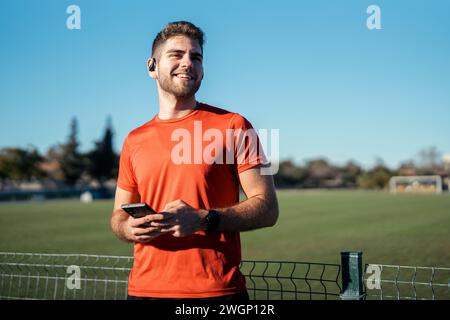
151	67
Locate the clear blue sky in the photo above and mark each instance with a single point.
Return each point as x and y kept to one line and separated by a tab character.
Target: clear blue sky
311	69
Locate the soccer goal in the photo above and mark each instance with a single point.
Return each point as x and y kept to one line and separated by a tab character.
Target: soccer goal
420	184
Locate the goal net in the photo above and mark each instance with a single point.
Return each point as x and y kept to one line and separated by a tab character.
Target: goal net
419	184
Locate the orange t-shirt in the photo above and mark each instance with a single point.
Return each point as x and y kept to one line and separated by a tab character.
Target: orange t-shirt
166	160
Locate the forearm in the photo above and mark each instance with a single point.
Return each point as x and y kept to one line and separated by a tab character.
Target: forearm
118	221
253	213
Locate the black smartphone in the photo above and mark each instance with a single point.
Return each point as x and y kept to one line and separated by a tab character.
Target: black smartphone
137	210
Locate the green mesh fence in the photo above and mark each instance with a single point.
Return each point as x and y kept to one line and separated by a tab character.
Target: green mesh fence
406	282
100	277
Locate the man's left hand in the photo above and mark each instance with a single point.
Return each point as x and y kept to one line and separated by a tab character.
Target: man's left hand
184	220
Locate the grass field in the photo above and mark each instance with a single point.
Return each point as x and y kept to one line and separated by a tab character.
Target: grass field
314	226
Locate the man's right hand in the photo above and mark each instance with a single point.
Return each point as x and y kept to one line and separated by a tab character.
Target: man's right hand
141	230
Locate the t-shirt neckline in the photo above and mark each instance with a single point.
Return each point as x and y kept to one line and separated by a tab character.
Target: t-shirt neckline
190	114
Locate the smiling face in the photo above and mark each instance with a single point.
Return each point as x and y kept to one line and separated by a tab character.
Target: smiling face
179	67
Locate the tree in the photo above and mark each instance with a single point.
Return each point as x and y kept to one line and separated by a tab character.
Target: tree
20	164
71	161
376	178
407	168
103	161
319	170
429	161
289	175
350	173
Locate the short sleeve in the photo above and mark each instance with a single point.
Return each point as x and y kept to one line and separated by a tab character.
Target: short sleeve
248	151
126	179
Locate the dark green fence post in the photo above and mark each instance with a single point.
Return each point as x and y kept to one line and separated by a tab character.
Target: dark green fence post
352	275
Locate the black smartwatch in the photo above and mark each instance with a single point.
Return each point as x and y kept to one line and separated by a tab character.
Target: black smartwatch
212	220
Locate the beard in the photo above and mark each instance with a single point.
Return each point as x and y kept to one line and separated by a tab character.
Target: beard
180	89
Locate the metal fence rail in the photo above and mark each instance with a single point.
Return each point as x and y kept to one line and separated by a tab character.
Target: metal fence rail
406	282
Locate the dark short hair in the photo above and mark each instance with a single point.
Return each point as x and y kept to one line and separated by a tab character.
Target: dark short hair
178	28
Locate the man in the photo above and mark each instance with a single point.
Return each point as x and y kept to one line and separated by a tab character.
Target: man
190	248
